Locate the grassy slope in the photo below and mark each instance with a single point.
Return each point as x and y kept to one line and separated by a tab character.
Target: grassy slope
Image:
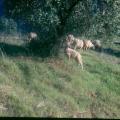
58	88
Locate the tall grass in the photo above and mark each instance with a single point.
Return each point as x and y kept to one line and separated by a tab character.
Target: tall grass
58	88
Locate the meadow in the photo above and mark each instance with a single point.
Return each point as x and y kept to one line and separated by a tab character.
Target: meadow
31	86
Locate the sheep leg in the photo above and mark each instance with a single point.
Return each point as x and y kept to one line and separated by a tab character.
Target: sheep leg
75	47
81	48
84	48
79	60
81	63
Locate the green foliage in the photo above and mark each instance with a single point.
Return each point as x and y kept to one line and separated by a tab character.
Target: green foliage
53	18
8	26
89	20
117	17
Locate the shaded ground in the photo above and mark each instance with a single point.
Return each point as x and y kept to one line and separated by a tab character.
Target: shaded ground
109	51
33	49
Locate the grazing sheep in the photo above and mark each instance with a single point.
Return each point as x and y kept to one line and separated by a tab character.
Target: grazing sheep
78	43
88	44
68	43
97	43
32	36
69	40
71	53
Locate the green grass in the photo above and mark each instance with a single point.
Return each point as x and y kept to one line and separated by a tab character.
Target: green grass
58	88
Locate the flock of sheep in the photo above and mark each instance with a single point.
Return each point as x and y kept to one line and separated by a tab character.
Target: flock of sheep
71	44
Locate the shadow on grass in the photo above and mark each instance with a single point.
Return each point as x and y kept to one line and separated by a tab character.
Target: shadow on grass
33	49
109	51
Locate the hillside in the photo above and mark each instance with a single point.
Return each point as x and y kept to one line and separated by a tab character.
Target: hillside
54	87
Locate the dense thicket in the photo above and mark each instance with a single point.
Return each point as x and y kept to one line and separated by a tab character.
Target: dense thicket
54	18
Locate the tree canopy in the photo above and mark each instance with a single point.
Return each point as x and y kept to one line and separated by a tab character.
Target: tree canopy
53	18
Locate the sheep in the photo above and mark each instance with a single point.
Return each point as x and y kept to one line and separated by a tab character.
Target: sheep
78	43
32	36
97	43
69	40
68	43
88	44
71	53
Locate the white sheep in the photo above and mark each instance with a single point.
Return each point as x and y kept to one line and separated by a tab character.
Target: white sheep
72	41
78	43
69	40
88	44
97	43
70	37
32	36
71	53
